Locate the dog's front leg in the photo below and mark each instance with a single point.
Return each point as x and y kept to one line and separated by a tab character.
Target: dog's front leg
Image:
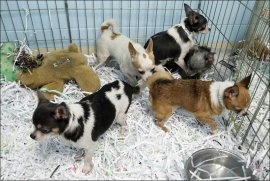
80	153
87	167
211	122
121	119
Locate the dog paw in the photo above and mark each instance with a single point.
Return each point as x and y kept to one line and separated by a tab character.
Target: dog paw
213	132
164	129
86	169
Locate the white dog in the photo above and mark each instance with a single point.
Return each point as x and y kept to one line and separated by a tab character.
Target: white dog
134	61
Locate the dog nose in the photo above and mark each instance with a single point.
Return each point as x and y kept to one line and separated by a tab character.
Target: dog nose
33	136
209	29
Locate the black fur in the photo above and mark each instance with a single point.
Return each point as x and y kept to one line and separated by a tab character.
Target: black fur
103	109
203	57
164	45
45	115
182	34
77	133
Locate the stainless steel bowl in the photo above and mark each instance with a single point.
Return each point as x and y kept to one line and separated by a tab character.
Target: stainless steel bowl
217	164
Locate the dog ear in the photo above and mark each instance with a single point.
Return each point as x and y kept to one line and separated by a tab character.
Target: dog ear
61	111
245	82
41	98
132	50
149	48
231	91
192	16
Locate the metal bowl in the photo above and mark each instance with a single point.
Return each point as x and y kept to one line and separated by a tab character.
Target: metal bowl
217	164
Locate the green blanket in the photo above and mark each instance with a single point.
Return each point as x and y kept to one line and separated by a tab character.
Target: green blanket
7	60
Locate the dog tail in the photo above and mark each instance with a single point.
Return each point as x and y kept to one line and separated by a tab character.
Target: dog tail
159	77
110	22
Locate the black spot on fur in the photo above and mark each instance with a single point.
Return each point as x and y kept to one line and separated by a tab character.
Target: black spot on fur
118	96
164	46
183	35
103	109
86	108
77	132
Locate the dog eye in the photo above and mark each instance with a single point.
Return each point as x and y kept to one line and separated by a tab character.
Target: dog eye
45	131
141	72
153	70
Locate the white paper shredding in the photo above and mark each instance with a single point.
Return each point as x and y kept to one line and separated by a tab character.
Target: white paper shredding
143	152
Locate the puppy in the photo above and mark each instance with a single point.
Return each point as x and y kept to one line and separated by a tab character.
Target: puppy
84	122
134	61
198	60
202	98
175	43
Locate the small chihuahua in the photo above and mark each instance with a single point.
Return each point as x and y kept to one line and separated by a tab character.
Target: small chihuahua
198	60
134	61
176	42
84	122
202	98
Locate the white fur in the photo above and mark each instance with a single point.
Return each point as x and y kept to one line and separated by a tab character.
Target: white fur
185	46
217	91
118	48
85	141
119	104
39	135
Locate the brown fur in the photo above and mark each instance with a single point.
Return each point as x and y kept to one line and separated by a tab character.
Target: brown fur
114	35
192	95
134	54
104	28
58	67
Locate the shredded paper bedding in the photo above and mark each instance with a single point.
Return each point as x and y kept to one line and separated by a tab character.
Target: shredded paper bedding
143	152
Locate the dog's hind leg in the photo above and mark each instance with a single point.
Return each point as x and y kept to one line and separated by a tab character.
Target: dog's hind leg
102	55
162	114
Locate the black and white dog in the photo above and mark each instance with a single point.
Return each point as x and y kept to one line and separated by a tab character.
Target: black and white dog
83	122
175	43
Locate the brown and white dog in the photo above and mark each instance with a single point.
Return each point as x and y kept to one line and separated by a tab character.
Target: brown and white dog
202	98
134	61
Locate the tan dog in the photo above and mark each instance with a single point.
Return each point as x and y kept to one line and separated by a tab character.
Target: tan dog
202	98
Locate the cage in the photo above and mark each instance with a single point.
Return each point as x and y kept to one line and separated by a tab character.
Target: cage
239	35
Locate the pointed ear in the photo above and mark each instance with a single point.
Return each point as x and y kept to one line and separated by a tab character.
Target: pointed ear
188	10
192	17
61	111
132	50
231	91
245	82
149	48
41	98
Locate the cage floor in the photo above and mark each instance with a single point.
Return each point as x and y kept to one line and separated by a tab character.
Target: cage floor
144	152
